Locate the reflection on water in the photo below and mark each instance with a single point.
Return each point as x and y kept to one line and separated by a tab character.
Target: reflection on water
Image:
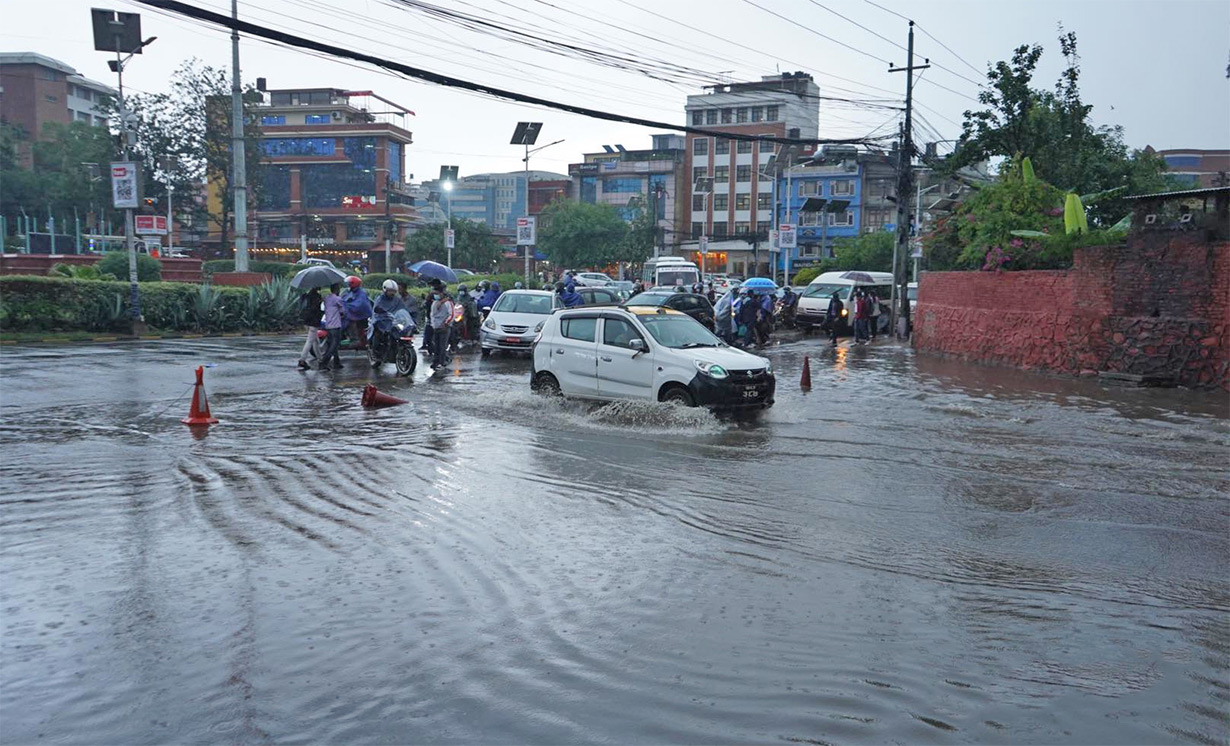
915	551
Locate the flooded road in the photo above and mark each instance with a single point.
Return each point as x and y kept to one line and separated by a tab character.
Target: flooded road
914	552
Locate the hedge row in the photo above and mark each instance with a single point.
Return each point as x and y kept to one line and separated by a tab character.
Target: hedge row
42	304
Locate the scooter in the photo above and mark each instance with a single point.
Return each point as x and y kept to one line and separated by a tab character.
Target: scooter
392	341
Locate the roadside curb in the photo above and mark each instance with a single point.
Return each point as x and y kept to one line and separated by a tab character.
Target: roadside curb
107	339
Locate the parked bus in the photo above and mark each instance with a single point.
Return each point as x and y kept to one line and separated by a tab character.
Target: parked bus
669	271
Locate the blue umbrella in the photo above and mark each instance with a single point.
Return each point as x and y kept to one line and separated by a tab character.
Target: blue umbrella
434	270
759	283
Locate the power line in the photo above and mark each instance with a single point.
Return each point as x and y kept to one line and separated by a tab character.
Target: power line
817	33
954	54
448	81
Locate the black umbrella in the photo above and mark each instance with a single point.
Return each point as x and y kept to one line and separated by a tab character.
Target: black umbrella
317	277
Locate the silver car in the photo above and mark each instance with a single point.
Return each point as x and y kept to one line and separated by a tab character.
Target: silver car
515	320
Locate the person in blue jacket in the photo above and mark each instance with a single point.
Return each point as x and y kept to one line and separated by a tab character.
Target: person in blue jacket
358	310
489	296
568	295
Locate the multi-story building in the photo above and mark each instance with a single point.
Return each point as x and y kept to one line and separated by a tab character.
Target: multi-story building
1193	169
332	169
654	178
496	200
737	214
36	90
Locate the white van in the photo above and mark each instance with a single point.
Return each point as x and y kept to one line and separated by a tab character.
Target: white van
669	271
814	300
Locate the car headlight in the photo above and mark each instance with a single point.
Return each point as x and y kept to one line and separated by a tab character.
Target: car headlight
713	370
768	365
489	324
538	328
845	312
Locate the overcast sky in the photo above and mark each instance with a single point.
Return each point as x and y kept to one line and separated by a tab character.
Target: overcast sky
1156	67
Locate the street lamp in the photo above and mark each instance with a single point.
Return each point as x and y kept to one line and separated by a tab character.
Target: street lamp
448	244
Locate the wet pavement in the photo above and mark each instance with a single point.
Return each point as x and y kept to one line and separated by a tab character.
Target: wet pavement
916	551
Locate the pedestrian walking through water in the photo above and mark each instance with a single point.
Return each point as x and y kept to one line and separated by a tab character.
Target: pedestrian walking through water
442	310
310	313
833	315
335	312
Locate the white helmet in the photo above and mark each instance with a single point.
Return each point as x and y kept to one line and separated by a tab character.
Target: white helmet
389	285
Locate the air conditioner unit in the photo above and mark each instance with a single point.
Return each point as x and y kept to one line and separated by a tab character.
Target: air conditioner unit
337	115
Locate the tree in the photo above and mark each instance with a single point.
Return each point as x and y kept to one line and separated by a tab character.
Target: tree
578	234
474	245
185	137
870	252
642	234
1054	129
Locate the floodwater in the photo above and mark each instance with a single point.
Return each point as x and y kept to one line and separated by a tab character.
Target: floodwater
914	552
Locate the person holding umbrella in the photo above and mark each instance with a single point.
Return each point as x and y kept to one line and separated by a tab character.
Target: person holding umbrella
442	310
310	314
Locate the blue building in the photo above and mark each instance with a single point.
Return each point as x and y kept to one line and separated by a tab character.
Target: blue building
496	200
865	181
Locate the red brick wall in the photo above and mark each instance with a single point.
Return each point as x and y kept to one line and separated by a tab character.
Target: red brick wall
1157	306
173	270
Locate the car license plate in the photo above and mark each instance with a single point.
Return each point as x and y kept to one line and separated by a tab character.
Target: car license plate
512	340
751	392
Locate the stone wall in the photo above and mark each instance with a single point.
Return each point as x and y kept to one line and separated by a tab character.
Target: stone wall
1158	306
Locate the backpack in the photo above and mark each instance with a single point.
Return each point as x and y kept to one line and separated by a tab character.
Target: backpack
309	313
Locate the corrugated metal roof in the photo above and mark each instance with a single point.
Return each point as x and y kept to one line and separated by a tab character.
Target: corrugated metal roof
1185	193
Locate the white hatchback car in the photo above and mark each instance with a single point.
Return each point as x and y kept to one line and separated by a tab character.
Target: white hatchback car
593	279
648	353
515	320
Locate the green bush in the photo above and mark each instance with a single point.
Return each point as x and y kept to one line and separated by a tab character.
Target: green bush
277	269
115	263
41	304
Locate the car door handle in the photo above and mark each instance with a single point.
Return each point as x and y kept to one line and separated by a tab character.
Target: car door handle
559	352
606	359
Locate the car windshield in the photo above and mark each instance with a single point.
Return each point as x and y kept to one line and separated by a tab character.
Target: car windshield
824	290
648	299
686	276
679	332
523	303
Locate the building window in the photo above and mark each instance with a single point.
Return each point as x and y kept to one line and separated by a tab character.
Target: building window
809	218
721	202
811	188
83	117
711	116
364	229
698	229
273	119
720	229
700	146
742	228
741	114
623	185
767	146
722	146
743	173
770	113
721	174
699	172
744	146
280	146
764	201
841	219
727	116
698	118
395	159
763	227
589	189
842	188
809	249
698	202
274	193
316	119
757	113
743	201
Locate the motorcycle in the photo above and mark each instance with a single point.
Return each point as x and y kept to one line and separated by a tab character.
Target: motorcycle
392	341
783	314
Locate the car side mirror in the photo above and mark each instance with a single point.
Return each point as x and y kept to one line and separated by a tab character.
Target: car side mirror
638	346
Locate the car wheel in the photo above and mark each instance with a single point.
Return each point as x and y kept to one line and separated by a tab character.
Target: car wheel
545	384
678	394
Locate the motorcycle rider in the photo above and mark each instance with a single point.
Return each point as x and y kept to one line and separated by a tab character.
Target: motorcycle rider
358	310
568	295
491	294
470	317
387	304
790	302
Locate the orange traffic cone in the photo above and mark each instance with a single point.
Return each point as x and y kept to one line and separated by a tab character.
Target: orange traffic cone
805	381
199	413
373	398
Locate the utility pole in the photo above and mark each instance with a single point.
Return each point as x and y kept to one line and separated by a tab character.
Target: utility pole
238	165
905	185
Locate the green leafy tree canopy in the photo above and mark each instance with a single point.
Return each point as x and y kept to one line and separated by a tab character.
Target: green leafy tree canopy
579	234
474	245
